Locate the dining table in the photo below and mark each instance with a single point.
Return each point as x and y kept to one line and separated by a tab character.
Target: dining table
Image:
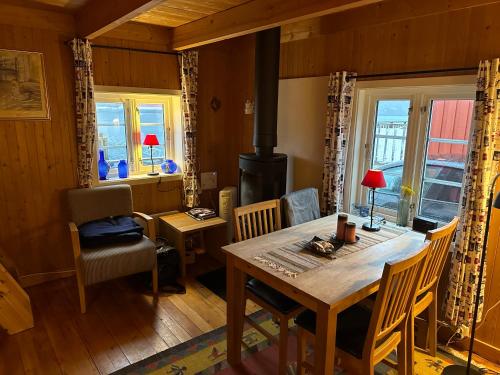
326	285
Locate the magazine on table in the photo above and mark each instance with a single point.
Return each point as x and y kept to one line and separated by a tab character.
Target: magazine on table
201	213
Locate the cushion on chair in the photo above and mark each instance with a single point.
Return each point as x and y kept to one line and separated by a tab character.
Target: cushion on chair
112	230
352	327
113	261
301	206
96	203
271	296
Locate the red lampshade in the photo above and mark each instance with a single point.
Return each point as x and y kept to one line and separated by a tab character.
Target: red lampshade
151	140
374	178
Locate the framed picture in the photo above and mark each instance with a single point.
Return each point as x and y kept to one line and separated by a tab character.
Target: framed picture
23	94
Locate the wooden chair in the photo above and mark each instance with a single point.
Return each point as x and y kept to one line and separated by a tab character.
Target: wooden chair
426	296
94	265
365	337
252	221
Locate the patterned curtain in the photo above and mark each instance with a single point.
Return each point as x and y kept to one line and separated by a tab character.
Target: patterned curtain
85	110
481	168
188	62
338	120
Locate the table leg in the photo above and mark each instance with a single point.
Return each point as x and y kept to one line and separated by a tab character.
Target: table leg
324	348
235	310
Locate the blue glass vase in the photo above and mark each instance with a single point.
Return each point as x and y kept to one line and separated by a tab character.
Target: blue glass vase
123	169
103	166
169	166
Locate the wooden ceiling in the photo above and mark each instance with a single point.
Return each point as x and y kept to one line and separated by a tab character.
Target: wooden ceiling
173	13
170	13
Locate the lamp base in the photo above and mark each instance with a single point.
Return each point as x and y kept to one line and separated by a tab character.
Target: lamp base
371	227
459	370
153	173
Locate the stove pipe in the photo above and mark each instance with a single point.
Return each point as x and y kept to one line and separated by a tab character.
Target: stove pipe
267	58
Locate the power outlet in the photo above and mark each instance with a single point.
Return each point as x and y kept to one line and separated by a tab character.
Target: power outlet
208	180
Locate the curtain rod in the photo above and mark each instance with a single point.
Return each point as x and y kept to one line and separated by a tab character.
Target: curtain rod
416	72
135	49
68	42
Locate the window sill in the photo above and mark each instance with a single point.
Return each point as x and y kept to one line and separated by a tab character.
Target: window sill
141	179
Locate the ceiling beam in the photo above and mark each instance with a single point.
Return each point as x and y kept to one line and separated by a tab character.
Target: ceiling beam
97	16
254	16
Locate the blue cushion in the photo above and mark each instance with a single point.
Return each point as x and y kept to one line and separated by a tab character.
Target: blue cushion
108	231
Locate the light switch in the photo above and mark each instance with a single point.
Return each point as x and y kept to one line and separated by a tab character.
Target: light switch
208	180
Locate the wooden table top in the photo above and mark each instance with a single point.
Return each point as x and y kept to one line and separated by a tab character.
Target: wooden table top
184	223
337	282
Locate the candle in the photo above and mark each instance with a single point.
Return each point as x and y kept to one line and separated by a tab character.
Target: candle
341	221
350	232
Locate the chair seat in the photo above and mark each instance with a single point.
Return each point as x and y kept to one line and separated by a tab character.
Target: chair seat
271	296
352	328
113	261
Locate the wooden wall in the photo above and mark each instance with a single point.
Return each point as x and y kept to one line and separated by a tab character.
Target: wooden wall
366	40
226	72
387	38
38	158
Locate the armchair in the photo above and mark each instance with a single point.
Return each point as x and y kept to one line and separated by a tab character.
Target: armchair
94	265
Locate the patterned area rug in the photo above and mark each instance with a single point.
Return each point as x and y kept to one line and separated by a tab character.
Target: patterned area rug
206	354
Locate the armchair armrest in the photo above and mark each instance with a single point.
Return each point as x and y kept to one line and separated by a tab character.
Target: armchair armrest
75	240
150	224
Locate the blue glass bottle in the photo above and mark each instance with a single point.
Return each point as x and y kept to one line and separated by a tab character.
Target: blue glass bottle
103	166
169	166
123	169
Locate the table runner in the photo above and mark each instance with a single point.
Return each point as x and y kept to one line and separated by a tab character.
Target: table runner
294	258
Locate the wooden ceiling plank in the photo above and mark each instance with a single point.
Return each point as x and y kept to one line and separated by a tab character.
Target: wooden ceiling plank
254	16
173	13
98	17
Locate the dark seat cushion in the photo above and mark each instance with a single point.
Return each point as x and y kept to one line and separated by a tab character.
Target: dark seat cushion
274	298
110	231
352	327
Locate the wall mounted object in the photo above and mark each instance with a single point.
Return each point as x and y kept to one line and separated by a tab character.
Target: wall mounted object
23	94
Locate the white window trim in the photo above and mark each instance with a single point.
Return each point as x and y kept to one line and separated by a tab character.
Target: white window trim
173	132
462	87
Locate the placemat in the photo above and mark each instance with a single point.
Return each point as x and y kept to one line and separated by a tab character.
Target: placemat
294	258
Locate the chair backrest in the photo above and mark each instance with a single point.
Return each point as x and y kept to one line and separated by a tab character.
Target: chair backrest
395	297
97	203
301	206
440	240
256	219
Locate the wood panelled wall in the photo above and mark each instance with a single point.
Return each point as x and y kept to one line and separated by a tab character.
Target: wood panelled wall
369	40
38	158
366	41
226	73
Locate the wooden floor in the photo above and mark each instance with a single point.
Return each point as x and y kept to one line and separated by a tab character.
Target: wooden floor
122	326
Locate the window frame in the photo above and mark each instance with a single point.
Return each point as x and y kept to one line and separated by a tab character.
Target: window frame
421	91
172	120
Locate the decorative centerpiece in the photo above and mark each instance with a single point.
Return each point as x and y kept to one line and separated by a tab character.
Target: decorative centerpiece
404	205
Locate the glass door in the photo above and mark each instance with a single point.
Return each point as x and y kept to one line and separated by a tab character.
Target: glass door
445	157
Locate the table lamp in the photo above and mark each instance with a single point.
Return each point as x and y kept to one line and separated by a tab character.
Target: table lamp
466	369
151	141
373	179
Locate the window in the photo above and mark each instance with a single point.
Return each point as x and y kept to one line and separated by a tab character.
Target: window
418	135
124	120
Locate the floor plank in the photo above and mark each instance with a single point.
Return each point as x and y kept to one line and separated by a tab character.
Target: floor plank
122	325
